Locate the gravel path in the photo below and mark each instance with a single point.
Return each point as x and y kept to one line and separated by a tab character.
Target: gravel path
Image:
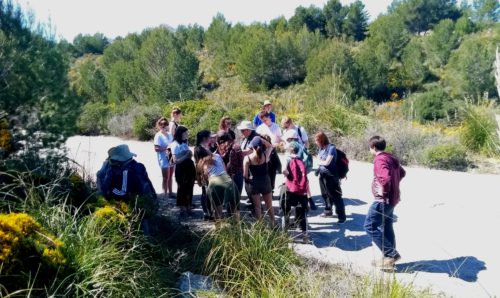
445	222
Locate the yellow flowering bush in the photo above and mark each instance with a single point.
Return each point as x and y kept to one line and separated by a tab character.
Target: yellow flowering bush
109	215
22	238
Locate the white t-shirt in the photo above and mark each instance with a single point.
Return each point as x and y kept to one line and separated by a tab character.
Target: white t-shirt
302	134
274	131
179	149
162	141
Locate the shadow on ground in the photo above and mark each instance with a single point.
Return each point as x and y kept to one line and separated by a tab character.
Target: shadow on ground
464	268
334	235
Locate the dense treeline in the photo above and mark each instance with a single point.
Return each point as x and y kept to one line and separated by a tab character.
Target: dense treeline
431	53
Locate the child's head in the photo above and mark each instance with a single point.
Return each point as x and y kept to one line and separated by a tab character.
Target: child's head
294	148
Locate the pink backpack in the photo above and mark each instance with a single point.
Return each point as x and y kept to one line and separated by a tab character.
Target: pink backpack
296	181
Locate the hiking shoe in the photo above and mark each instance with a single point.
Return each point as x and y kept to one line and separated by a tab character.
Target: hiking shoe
327	214
306	239
341	221
386	262
312	205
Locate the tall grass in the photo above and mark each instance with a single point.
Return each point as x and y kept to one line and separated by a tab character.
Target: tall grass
251	260
105	258
479	132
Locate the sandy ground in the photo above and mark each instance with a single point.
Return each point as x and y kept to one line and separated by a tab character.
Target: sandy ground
444	229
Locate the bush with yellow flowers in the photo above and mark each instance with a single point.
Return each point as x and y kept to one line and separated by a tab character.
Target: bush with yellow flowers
27	248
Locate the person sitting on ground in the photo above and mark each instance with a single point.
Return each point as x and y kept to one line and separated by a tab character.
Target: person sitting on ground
220	187
296	184
388	173
257	180
202	150
122	178
268	107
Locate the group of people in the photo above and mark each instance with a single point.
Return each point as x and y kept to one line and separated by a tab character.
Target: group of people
223	167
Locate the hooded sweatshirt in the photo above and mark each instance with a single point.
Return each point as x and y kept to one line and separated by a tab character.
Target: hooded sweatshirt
387	174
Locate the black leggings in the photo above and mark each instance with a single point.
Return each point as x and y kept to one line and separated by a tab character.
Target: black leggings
332	194
300	203
184	176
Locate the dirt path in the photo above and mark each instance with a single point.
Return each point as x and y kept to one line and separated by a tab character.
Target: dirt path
445	227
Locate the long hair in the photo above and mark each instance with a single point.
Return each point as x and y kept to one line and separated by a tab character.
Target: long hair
322	139
201	136
178	134
202	169
222	122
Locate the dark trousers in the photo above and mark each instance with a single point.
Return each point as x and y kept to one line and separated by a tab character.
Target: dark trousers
205	202
238	180
184	176
332	194
300	203
378	225
272	174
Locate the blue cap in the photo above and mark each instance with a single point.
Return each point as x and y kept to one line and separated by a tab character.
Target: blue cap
256	142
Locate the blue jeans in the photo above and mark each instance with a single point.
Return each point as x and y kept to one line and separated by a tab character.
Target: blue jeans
378	225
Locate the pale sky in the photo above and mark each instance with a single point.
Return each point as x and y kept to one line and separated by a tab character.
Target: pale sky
120	17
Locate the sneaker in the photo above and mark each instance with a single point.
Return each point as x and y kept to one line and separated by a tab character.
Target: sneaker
306	239
312	205
341	221
386	262
327	214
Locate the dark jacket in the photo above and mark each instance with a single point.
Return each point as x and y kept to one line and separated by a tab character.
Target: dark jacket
387	174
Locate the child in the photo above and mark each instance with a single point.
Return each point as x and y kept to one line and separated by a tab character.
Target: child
296	183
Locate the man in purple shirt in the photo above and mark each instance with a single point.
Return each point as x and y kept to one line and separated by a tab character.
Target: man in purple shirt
385	188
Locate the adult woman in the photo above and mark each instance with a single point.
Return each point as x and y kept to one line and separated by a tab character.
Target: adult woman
175	119
232	157
161	141
220	187
202	150
328	181
185	170
255	173
225	126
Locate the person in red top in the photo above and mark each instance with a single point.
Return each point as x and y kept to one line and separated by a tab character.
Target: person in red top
385	188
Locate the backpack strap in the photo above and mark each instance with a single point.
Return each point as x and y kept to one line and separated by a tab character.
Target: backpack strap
300	134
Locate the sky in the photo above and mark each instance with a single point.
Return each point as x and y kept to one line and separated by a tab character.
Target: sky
120	17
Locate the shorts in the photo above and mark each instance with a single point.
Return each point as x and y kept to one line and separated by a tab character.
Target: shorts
164	163
259	185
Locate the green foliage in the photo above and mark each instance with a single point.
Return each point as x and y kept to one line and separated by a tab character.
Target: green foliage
34	88
250	260
333	57
90	44
94	119
479	132
311	17
217	42
470	68
432	105
191	36
334	14
441	42
446	157
144	123
356	22
486	11
420	15
413	73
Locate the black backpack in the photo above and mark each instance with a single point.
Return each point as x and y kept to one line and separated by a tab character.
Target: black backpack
341	164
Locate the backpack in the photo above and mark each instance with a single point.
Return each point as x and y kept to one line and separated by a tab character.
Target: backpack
341	164
296	180
307	158
119	181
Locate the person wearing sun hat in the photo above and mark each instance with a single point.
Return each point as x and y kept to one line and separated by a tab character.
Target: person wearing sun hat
248	131
268	107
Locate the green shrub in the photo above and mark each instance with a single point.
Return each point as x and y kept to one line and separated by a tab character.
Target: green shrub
94	119
251	260
446	157
431	106
479	132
